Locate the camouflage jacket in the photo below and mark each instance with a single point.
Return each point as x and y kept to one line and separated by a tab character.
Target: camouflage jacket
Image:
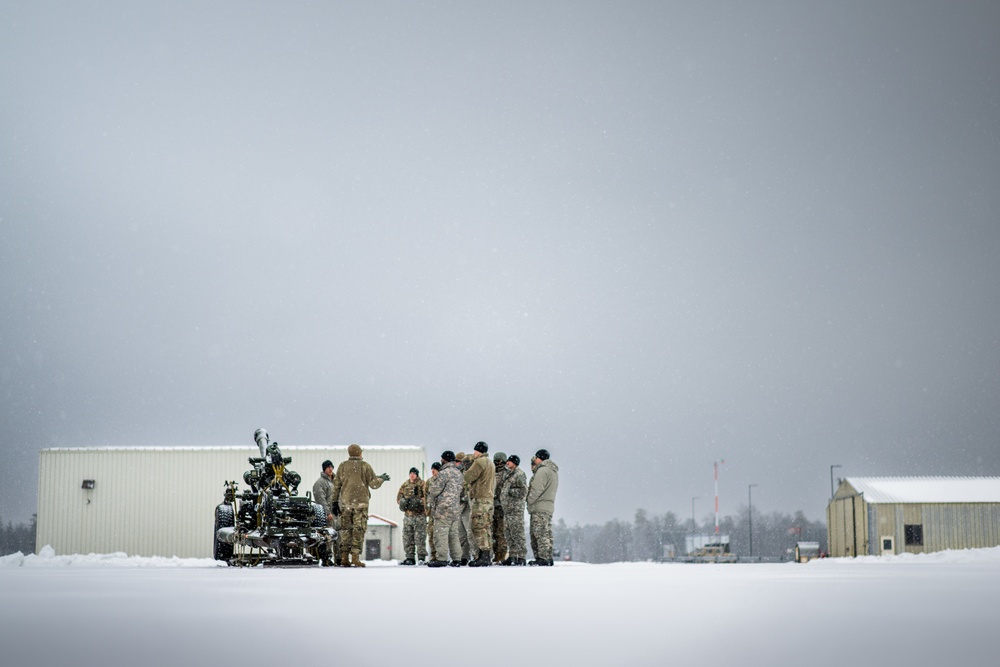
515	490
444	491
323	492
351	483
481	479
463	465
542	490
502	473
411	497
427	498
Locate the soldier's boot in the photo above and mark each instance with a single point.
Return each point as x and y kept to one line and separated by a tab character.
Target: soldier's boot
519	562
345	559
499	560
356	559
483	560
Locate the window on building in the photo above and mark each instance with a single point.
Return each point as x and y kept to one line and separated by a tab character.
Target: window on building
914	535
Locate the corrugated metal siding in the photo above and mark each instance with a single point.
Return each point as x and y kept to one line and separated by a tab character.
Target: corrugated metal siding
874	543
847	526
887	526
161	502
957	526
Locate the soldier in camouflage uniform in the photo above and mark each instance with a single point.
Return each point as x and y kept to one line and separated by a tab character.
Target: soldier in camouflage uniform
351	487
481	479
411	497
443	494
323	495
513	493
499	539
541	502
435	469
465	520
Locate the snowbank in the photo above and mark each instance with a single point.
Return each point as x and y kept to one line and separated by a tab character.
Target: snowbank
47	558
991	555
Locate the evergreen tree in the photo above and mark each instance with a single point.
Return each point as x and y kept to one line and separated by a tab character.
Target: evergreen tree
20	537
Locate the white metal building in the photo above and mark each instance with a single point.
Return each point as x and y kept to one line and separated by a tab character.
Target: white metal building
893	515
161	501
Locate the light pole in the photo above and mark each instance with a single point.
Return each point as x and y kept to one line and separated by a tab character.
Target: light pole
694	525
750	515
831	479
718	539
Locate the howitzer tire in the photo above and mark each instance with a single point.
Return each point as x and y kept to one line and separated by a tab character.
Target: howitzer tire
223	519
320	516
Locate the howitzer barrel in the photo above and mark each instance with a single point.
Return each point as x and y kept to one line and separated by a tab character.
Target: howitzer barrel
261	438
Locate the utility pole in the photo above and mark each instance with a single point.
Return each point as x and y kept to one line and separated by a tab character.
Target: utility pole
750	515
694	524
718	540
831	479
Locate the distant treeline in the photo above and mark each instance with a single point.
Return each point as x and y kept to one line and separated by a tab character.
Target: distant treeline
644	538
20	537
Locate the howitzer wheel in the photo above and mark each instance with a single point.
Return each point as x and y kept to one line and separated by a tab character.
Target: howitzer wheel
223	519
320	516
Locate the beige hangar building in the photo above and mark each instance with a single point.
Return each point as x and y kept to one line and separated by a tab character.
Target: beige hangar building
895	515
161	501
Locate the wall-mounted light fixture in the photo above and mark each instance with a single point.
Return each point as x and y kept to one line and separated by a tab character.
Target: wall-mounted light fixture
88	484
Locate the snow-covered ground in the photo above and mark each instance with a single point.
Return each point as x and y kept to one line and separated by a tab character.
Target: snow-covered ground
939	609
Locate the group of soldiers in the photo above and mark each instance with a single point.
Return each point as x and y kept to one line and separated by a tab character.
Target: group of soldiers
471	508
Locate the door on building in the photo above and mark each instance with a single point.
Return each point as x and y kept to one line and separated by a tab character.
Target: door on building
373	549
888	548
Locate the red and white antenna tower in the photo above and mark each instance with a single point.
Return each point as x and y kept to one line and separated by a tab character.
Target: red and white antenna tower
716	465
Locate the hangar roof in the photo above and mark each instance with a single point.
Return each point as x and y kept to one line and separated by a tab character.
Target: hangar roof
927	489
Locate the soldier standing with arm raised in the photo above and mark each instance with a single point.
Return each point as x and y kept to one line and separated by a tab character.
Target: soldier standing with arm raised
351	487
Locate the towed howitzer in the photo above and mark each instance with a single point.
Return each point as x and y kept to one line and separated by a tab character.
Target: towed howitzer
269	523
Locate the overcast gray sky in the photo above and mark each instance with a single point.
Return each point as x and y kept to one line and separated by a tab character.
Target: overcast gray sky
643	235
